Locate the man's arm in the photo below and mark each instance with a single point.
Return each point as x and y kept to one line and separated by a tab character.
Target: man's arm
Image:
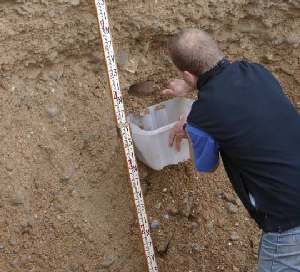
192	158
203	149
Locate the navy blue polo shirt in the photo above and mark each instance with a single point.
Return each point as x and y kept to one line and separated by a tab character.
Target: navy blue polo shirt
243	108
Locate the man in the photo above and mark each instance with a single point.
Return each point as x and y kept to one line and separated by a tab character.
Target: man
242	113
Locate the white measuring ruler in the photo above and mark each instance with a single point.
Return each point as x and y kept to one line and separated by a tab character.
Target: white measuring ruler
125	132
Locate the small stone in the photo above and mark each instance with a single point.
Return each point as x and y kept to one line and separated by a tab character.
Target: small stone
52	56
210	227
234	236
59	206
231	208
2	247
293	39
52	110
220	222
75	2
269	57
166	216
162	244
68	173
17	199
195	227
26	224
180	19
107	261
142	88
227	197
165	190
145	187
97	68
196	248
172	209
246	28
9	166
278	41
239	202
143	61
131	65
14	264
121	57
144	172
73	267
286	68
56	75
95	57
162	247
188	202
235	269
155	224
157	205
13	241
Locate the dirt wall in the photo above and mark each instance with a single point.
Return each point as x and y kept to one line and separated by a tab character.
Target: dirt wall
65	203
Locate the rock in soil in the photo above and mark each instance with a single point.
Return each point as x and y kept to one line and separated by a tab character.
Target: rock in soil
17	199
235	269
107	261
166	216
172	209
194	227
234	236
52	110
162	243
9	166
142	88
155	224
157	205
228	198
187	205
231	208
68	173
75	2
196	248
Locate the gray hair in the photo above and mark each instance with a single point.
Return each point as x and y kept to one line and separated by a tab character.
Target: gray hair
194	50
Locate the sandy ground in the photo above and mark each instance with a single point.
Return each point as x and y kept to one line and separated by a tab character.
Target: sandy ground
65	200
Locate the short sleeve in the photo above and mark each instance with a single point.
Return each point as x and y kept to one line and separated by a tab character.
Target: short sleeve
205	149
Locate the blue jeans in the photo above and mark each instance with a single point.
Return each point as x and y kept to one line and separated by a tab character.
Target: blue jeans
280	252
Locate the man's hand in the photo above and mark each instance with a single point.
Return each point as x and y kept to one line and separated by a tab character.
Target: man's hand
178	87
177	133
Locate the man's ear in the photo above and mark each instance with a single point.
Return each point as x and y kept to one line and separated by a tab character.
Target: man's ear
190	79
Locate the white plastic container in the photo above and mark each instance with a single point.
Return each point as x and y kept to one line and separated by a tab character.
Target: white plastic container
150	132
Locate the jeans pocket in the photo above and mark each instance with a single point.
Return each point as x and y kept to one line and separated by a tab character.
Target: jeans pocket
291	237
288	251
267	251
296	238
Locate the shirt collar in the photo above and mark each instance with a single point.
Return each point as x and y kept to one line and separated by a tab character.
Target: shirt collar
212	72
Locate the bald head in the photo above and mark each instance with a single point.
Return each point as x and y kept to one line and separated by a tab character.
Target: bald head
194	51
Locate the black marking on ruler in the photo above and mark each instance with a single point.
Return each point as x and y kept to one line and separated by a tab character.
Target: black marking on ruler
125	133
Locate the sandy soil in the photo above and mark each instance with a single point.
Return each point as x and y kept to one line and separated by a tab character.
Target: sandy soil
65	201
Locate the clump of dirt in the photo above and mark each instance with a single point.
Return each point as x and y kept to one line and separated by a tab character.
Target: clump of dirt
65	203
